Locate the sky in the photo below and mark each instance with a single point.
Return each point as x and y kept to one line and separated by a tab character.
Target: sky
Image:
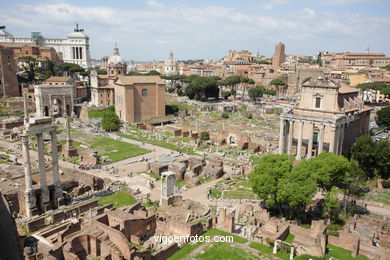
148	30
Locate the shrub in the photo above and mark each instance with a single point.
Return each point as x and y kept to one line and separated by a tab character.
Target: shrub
269	241
204	136
386	184
225	115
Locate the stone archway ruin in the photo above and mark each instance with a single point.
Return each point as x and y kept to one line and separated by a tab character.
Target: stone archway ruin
53	100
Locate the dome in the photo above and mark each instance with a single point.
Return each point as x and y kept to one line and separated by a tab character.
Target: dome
77	35
116	58
171	60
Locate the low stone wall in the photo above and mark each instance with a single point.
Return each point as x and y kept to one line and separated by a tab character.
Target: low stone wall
35	224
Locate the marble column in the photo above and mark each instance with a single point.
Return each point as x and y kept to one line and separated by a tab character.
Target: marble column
310	142
42	171
26	162
341	139
290	136
64	113
55	170
281	136
321	139
29	193
50	106
299	145
71	105
332	139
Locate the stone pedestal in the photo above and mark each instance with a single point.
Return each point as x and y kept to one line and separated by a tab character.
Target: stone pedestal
70	151
31	203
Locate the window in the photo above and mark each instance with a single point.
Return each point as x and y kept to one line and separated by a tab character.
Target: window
318	102
144	92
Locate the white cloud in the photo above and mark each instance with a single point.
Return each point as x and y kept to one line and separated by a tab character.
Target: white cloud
307	13
269	4
194	31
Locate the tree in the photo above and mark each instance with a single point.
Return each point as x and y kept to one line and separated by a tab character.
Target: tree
278	83
204	136
332	205
370	62
232	81
202	88
256	92
110	121
329	170
319	59
382	158
297	188
379	86
69	69
226	94
363	152
266	177
48	68
383	117
29	64
101	72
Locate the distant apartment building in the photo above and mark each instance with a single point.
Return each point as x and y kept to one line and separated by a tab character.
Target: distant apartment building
348	59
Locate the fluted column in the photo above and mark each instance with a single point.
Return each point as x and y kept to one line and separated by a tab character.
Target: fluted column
29	194
26	163
55	170
332	144
310	144
321	139
50	106
341	140
281	136
42	170
299	146
290	136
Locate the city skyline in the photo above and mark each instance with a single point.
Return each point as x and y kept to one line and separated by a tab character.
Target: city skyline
149	30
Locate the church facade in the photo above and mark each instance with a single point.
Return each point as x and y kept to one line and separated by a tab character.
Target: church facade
329	117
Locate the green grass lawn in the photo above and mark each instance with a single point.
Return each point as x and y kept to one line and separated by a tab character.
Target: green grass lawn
289	238
115	150
341	253
238	194
167	145
224	251
383	197
118	199
188	248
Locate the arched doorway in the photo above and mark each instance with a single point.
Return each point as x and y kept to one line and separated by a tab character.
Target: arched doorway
46	111
56	108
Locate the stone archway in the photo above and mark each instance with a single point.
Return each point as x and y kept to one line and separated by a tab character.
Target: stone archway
56	107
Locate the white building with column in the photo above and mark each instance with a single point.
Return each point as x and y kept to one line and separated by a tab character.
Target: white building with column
73	49
170	66
329	117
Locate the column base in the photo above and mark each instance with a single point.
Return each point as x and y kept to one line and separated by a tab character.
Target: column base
31	203
45	198
58	195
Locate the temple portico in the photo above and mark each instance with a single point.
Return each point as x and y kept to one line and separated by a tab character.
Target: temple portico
311	134
327	110
40	200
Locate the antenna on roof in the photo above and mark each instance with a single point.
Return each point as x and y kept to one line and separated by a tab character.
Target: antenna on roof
368	49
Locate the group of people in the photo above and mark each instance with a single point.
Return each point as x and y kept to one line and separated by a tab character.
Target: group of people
89	166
